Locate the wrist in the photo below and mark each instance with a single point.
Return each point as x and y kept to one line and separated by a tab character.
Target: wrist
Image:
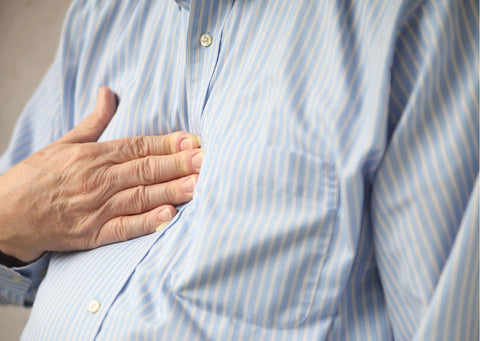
12	254
10	261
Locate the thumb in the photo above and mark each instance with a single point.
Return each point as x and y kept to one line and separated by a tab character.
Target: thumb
93	125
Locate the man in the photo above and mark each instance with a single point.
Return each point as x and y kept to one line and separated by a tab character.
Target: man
338	191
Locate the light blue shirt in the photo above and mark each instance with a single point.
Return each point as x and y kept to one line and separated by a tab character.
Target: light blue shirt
338	197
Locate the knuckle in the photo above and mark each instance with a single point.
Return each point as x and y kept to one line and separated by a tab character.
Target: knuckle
140	198
107	210
147	169
96	182
172	192
182	164
106	179
99	179
120	230
140	146
136	169
84	186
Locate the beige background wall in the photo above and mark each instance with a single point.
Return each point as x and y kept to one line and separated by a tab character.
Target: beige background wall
29	32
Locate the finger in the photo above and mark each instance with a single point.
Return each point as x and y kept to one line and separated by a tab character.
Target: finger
93	125
132	148
133	226
154	169
141	199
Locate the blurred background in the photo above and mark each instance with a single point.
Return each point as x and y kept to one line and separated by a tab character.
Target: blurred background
29	32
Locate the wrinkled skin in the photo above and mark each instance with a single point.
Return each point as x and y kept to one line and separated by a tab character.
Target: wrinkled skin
79	194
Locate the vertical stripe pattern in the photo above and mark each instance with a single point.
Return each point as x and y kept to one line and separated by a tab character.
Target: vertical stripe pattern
338	197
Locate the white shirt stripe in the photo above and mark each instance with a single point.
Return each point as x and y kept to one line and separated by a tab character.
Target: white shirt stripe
338	197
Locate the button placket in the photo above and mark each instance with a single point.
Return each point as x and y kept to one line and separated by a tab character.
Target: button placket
207	19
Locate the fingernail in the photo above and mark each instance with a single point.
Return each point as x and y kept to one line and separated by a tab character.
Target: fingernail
161	227
197	160
185	144
188	184
165	215
199	142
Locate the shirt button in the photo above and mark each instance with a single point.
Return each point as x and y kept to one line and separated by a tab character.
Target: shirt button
94	306
206	40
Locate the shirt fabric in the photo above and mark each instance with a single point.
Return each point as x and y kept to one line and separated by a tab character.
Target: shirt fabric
338	196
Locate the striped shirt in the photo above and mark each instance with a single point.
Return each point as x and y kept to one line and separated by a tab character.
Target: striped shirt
338	196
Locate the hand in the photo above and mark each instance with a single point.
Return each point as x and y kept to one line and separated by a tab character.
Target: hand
79	194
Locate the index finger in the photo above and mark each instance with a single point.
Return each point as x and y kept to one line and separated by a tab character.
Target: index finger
131	148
